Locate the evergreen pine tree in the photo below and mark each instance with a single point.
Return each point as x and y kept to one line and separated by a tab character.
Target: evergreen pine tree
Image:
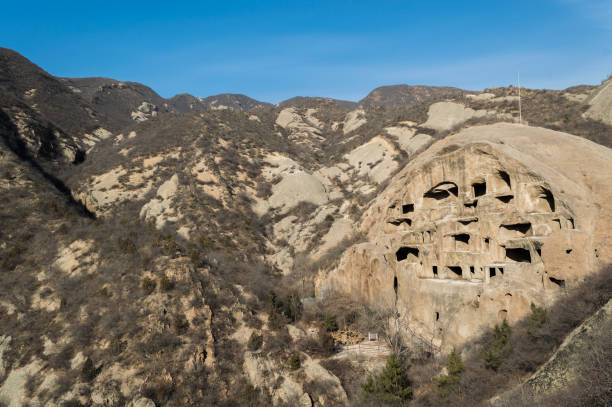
391	385
450	381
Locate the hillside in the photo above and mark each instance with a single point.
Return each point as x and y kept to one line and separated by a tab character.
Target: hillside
600	103
406	95
121	102
187	103
224	251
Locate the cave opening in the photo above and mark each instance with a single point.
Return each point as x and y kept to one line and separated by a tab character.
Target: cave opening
472	270
435	271
473	204
462	241
437	315
560	283
407	208
462	237
468	221
494	271
505	198
456	270
542	198
398	222
442	191
518	254
522	228
505	177
549	198
479	188
407	253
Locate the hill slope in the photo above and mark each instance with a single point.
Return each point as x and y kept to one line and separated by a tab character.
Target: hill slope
600	103
406	95
173	261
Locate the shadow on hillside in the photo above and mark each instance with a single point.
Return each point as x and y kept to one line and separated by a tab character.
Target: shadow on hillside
531	343
10	136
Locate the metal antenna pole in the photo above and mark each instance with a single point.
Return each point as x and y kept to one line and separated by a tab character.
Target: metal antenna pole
519	87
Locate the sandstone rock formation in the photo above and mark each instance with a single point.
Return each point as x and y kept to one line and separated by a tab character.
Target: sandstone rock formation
354	120
478	227
600	102
373	159
447	115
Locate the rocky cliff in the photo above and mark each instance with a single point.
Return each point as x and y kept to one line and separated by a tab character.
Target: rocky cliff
478	227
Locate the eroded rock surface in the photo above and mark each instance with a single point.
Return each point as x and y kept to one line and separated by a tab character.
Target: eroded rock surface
600	102
478	227
448	115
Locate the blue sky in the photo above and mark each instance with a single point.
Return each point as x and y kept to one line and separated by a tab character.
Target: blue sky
342	49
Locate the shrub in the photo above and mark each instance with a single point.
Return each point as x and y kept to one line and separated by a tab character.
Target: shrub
495	353
450	381
276	321
284	310
180	323
88	371
165	283
148	285
278	343
537	319
294	362
322	345
391	385
329	323
116	346
126	245
255	342
326	341
160	390
70	403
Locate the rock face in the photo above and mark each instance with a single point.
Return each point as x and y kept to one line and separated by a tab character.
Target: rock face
373	159
354	120
479	226
447	115
600	102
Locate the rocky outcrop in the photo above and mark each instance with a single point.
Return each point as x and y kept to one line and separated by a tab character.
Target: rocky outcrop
264	374
160	209
354	120
600	103
373	159
564	367
448	115
478	227
292	185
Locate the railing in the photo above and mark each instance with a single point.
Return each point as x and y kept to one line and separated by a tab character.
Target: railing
367	347
421	341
